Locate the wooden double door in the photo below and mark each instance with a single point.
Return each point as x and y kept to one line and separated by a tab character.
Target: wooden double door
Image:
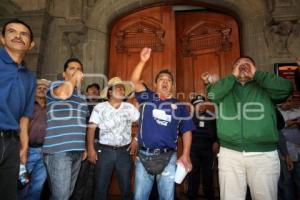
187	43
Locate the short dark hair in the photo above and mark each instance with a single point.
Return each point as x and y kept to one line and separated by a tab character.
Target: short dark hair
66	65
96	85
164	71
242	57
17	21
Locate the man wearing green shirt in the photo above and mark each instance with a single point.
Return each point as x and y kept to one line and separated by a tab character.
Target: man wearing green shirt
246	128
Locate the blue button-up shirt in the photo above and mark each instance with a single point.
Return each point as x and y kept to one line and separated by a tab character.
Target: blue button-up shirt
17	92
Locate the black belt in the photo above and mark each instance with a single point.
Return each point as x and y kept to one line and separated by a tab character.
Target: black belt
156	150
8	133
114	147
35	145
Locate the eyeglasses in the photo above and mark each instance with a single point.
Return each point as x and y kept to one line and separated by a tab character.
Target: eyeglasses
11	31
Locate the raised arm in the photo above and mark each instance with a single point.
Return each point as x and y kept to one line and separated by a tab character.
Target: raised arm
65	90
220	89
137	72
277	88
242	72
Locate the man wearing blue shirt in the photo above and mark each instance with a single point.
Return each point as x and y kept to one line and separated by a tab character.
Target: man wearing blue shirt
162	118
17	89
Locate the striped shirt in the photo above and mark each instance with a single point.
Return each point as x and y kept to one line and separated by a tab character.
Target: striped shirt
66	122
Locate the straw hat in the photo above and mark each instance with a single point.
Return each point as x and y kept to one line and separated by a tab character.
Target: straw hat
117	81
43	82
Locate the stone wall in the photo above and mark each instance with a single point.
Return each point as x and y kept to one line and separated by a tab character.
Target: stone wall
269	29
36	19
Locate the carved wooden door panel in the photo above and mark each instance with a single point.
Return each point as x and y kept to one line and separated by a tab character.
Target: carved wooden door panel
154	28
206	41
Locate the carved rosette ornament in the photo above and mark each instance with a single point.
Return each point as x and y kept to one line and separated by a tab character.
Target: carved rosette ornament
206	37
138	35
73	37
226	44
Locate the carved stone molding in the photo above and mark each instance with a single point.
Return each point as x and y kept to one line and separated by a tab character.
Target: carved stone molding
206	37
283	37
74	37
138	35
283	10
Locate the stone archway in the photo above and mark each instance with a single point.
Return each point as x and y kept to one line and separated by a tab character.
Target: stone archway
104	14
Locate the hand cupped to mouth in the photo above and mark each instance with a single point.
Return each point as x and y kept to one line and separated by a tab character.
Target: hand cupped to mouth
245	67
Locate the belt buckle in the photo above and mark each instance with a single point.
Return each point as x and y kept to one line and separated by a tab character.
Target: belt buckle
1	134
114	148
156	151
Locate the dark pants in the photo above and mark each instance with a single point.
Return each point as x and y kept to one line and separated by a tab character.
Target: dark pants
296	178
84	188
109	159
85	184
289	182
202	160
154	192
285	186
9	166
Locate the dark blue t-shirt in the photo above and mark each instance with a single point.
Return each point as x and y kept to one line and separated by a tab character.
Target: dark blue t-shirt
17	92
161	120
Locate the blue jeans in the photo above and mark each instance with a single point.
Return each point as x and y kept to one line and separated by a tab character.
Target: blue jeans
165	180
109	159
63	170
38	174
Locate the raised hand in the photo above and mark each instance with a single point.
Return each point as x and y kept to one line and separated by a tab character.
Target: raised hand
145	54
77	77
236	71
205	77
209	78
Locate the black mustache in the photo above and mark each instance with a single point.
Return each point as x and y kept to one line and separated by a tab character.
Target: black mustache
18	40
